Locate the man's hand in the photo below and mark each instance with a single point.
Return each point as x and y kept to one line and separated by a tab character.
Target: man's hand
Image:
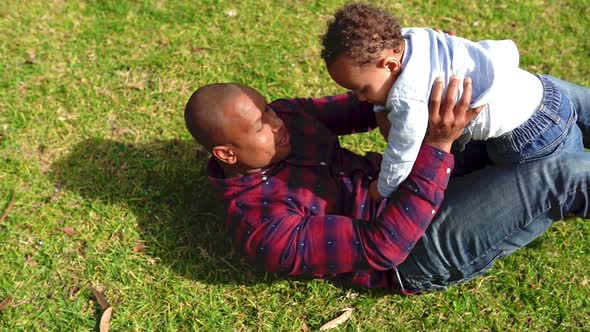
448	120
374	192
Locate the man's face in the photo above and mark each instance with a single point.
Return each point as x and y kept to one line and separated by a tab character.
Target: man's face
258	137
370	82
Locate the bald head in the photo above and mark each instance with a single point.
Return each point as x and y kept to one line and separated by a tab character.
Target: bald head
204	113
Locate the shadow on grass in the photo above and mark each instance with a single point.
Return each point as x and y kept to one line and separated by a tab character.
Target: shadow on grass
163	183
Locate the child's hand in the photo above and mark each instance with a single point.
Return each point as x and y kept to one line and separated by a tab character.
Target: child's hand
374	193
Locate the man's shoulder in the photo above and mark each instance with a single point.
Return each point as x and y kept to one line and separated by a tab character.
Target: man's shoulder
290	109
287	104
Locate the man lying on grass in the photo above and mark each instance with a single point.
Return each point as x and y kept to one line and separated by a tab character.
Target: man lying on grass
297	203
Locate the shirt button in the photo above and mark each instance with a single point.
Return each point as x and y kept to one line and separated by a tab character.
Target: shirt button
342	173
433	212
264	178
448	171
322	163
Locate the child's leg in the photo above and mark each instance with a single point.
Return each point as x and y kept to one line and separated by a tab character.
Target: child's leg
580	98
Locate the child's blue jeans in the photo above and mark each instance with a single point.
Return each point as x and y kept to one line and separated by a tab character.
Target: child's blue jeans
547	132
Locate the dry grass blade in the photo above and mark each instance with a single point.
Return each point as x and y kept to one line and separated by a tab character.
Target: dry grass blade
100	298
5	302
10	205
338	320
105	320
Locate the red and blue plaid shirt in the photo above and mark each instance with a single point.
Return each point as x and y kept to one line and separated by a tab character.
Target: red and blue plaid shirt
311	214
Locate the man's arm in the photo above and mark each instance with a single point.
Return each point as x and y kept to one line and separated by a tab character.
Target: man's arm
342	114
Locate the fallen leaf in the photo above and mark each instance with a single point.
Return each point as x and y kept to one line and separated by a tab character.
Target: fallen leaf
304	327
140	247
338	320
30	262
105	320
68	230
30	56
5	302
100	298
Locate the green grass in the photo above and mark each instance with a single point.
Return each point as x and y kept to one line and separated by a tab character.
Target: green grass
92	137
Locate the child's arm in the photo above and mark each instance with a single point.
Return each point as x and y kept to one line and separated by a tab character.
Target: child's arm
409	121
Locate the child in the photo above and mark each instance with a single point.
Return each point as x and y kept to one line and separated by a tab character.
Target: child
525	116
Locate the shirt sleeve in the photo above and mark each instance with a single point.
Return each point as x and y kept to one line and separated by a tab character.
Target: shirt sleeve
409	121
342	114
327	245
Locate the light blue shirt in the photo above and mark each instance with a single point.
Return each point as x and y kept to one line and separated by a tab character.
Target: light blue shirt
497	82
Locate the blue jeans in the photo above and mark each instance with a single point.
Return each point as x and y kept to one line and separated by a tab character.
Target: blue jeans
492	212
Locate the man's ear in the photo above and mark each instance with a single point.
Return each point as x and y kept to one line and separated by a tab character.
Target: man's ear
225	154
391	63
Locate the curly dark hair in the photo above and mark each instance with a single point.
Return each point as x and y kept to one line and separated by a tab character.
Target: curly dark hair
360	32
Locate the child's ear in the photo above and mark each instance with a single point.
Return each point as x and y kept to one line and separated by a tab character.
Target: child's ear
392	63
225	154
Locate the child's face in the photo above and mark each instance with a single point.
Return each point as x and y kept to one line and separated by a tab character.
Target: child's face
370	82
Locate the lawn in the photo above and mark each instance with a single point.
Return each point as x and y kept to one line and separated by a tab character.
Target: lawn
104	188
